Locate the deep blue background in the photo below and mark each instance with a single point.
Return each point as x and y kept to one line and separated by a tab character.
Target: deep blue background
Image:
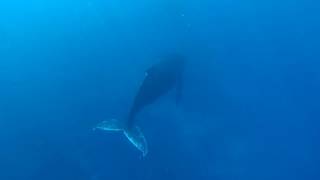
250	105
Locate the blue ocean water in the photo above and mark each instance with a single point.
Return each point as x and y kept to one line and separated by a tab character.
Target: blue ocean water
250	105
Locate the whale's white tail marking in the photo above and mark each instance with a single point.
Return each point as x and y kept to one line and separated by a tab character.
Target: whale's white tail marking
134	134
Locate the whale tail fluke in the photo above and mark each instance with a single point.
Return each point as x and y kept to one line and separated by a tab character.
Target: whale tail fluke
134	134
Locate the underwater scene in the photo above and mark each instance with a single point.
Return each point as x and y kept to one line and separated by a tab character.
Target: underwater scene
159	90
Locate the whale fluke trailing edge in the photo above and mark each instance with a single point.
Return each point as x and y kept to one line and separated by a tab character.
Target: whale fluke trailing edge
134	134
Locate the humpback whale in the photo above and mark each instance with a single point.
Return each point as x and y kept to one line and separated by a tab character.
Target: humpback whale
159	79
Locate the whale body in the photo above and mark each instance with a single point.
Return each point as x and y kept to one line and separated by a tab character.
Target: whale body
159	79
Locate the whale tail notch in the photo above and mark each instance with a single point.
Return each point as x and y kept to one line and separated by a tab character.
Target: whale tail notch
133	134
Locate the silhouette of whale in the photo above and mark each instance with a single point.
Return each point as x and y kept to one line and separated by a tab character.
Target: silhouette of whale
159	79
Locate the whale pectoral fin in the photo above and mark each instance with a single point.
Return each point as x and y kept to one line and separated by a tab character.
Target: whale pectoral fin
136	137
110	125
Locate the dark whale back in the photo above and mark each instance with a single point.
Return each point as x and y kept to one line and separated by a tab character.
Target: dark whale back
159	79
